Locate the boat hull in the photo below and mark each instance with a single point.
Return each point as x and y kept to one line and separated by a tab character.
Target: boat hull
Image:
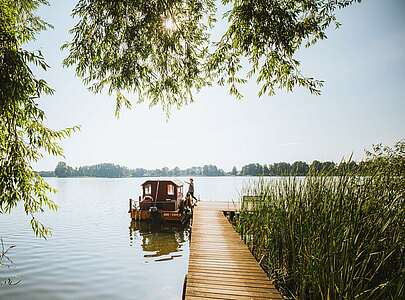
162	215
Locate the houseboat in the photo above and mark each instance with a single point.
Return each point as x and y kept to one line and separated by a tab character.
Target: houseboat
161	200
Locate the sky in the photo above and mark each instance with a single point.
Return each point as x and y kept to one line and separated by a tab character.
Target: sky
362	103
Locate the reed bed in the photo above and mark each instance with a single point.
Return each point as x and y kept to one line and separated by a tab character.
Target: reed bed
325	237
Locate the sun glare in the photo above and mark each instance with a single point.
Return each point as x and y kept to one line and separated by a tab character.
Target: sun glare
169	24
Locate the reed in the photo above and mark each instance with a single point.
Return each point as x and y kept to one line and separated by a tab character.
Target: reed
325	237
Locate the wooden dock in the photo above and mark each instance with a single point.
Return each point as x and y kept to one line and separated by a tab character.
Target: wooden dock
220	265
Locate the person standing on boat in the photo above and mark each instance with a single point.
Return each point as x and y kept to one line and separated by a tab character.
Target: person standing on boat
191	189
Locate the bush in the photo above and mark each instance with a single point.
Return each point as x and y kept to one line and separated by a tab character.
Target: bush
333	237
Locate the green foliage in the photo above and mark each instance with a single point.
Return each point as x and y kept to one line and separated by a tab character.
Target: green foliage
324	237
23	135
234	171
126	46
46	173
297	168
162	50
63	170
383	158
116	171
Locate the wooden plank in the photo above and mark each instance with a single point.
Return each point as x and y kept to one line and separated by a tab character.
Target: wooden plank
230	282
220	264
234	287
220	294
253	269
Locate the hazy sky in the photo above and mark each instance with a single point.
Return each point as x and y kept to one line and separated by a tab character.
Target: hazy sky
362	103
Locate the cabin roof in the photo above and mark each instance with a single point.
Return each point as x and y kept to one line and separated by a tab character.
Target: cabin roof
174	181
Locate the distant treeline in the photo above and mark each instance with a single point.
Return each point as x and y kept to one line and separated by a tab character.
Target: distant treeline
298	168
117	171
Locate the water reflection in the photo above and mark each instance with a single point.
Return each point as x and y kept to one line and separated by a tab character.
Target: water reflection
160	242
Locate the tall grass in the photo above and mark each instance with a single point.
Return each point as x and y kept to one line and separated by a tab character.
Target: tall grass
324	237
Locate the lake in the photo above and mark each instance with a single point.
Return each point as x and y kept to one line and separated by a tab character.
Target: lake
95	252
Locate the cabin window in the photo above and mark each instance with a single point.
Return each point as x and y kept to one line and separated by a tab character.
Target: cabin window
170	189
148	189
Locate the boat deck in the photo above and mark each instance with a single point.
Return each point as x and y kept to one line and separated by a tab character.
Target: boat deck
221	265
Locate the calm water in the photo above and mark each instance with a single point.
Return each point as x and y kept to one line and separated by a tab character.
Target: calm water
95	252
